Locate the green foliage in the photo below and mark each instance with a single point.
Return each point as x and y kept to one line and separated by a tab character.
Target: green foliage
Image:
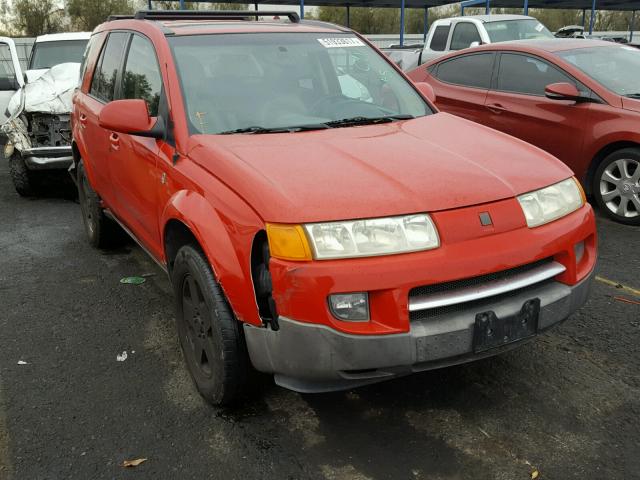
37	17
172	5
387	20
87	14
384	20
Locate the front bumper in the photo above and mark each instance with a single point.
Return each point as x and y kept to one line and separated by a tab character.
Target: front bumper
314	358
47	158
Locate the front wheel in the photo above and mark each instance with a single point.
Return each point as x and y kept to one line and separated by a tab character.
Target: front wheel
616	186
23	179
210	337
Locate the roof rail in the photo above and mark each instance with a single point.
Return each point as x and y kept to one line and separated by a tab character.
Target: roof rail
205	15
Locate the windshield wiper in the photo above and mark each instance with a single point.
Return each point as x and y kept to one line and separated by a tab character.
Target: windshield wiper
348	122
632	95
259	129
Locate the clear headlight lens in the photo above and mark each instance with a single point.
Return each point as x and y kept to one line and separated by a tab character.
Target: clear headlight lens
371	237
553	202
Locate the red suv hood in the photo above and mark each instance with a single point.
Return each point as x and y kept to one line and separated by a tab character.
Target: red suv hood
431	163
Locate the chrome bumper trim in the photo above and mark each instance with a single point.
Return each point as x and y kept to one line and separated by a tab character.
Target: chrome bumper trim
487	289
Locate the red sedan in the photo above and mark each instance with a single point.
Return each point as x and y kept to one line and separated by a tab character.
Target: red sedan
577	99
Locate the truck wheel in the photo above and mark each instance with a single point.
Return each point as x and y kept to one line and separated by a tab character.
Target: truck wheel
616	186
102	232
210	336
22	178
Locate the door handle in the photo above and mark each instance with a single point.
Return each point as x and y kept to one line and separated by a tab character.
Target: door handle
83	120
496	108
114	141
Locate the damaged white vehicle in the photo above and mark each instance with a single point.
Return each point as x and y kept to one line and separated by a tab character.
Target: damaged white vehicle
38	130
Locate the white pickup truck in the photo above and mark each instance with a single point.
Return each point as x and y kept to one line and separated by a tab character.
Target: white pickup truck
456	33
38	129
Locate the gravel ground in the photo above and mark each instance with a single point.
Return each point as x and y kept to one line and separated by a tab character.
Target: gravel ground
566	405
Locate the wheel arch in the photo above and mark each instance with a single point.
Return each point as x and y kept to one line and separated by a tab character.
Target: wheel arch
227	243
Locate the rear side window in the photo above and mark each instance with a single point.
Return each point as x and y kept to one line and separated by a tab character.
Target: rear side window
93	42
527	75
104	80
464	34
141	77
469	70
439	39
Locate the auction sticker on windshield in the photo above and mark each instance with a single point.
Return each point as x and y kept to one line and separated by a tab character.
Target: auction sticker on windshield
340	42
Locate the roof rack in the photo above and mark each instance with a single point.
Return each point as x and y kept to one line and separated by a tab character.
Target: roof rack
205	15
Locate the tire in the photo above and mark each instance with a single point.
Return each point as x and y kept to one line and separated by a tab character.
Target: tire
616	186
211	338
102	232
23	179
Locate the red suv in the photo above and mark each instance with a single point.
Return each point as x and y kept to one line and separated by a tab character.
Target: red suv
318	218
578	100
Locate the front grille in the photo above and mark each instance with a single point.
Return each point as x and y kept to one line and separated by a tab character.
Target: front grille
469	282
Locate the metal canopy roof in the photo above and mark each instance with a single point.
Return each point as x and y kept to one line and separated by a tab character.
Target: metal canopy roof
628	5
569	4
353	3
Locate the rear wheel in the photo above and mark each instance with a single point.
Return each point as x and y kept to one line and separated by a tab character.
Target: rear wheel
102	232
23	179
210	337
616	186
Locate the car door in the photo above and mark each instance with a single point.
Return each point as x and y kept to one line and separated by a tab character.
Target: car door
133	168
10	75
517	105
87	107
462	84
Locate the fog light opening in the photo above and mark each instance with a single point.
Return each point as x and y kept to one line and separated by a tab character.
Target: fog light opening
578	249
350	307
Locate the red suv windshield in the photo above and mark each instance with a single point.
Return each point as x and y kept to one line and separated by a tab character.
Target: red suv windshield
281	80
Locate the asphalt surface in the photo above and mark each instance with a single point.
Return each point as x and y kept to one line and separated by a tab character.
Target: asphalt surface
566	405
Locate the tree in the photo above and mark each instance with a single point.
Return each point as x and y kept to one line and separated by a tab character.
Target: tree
175	5
87	14
37	17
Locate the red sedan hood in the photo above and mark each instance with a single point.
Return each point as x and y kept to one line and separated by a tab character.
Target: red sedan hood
432	163
631	104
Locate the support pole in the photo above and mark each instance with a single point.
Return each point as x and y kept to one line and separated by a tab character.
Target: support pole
302	9
487	8
402	23
462	10
149	4
584	18
181	4
526	7
255	5
348	16
632	26
426	24
593	17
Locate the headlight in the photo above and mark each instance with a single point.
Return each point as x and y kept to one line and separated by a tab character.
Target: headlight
356	238
371	237
550	203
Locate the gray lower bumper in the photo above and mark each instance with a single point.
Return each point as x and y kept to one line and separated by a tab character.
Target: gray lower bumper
48	158
314	358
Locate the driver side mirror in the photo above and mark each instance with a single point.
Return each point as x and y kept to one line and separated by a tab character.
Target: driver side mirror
131	116
562	91
426	90
474	44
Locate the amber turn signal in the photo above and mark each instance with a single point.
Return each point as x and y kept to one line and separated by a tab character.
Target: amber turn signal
288	242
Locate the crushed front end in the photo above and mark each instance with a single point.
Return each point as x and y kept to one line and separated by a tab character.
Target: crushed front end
38	129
